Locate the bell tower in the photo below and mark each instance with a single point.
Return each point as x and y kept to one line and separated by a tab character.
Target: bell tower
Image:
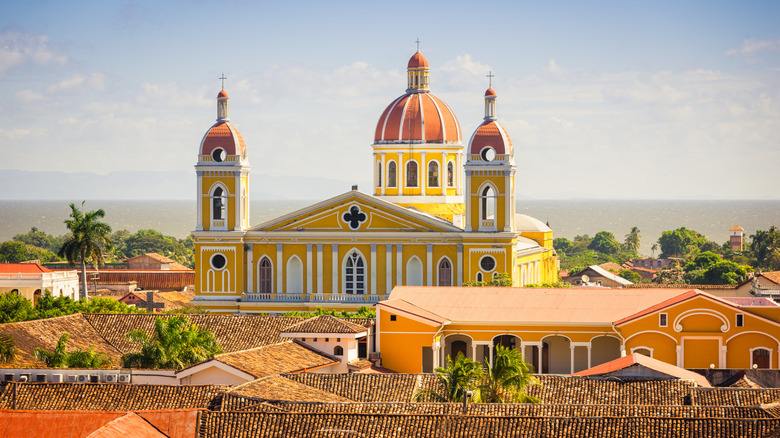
490	175
223	175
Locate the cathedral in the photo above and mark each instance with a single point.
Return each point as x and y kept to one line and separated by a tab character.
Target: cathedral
437	215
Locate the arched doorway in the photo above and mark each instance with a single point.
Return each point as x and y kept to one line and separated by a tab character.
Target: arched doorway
558	355
294	276
760	358
511	342
604	349
457	343
414	272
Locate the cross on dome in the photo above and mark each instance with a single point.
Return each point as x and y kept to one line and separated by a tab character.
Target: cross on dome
223	77
490	77
418	43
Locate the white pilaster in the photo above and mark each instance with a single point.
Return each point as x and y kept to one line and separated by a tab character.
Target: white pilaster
279	271
250	269
443	174
423	174
401	168
309	270
388	268
384	174
399	266
509	210
199	197
319	268
429	264
373	269
459	265
335	267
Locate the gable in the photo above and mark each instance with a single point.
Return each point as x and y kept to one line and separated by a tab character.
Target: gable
356	212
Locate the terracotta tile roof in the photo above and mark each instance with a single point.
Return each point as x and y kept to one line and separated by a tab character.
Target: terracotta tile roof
587	390
266	424
679	286
277	388
285	357
639	360
611	267
106	396
734	396
516	410
325	324
736	228
361	387
147	280
534	305
751	301
233	332
773	276
129	424
772	409
44	333
23	268
745	382
24	423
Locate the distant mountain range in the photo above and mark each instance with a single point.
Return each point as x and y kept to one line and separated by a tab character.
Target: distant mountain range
28	185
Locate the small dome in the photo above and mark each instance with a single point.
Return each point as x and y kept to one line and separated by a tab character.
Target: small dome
223	135
418	117
223	95
417	61
490	92
490	133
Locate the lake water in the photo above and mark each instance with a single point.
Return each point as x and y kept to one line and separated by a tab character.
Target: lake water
567	218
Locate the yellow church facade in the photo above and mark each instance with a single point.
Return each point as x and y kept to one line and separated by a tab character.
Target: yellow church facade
439	214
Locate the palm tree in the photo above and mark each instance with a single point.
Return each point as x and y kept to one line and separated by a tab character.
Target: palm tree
59	358
88	238
632	239
55	358
175	344
506	380
457	377
7	348
654	248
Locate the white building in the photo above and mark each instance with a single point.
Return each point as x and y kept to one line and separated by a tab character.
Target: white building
31	280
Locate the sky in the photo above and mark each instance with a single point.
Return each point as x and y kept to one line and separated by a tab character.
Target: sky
602	99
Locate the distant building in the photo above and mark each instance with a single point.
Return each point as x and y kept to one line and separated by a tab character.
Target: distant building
154	262
735	239
596	276
30	280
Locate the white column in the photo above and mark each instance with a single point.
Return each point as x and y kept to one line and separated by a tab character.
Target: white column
459	264
490	352
384	174
309	270
571	358
388	268
539	356
423	174
319	268
468	203
250	284
473	351
373	269
459	173
429	263
723	353
399	266
335	267
679	357
199	197
279	269
443	174
401	168
590	359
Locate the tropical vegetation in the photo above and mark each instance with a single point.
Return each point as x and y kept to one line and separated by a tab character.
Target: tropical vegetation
362	312
87	240
176	343
502	279
7	348
60	358
16	308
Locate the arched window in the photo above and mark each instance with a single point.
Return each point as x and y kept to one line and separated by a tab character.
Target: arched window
433	174
294	276
391	174
488	201
414	272
355	274
338	350
450	174
264	276
445	273
379	174
761	358
218	203
411	174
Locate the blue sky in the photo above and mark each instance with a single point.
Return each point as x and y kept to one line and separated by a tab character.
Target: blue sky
601	99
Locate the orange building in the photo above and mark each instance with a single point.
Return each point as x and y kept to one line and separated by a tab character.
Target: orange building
562	331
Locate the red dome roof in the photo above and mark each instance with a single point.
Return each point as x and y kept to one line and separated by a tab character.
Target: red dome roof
222	95
223	135
417	61
490	133
490	92
418	116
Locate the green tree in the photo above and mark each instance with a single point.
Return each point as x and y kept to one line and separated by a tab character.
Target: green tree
17	252
88	238
654	248
604	242
15	308
457	377
362	312
7	348
175	344
40	239
499	280
702	261
60	358
562	245
681	242
671	274
632	239
765	247
630	275
506	380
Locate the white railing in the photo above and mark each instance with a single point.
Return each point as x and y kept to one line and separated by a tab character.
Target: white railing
498	158
314	298
228	158
41	276
219	224
487	225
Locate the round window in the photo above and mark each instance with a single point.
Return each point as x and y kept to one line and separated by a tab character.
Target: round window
487	263
218	261
218	155
488	154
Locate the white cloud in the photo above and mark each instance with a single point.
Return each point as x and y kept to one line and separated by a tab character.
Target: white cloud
751	47
17	49
28	96
16	134
79	83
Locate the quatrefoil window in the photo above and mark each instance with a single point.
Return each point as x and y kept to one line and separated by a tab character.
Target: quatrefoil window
354	217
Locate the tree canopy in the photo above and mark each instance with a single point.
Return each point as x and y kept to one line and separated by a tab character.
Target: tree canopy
175	344
681	242
17	252
60	358
16	308
89	237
